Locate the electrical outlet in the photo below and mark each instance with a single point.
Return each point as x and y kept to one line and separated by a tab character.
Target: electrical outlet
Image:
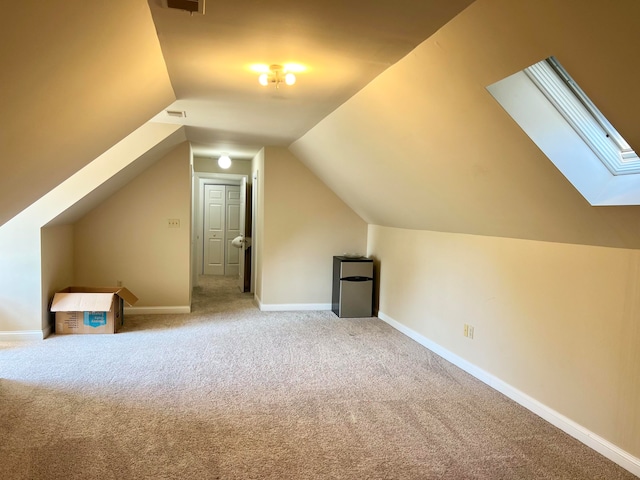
174	223
119	283
468	331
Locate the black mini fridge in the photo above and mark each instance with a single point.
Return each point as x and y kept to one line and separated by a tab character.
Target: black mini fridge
352	287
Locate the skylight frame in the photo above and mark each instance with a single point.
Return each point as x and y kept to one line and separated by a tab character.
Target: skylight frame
584	117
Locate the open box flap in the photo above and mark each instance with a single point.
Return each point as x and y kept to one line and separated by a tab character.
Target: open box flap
129	298
81	302
126	295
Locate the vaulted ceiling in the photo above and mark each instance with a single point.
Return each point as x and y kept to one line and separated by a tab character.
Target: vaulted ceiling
341	46
425	146
392	103
79	76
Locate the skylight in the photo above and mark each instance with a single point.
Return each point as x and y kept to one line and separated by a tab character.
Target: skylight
569	129
574	105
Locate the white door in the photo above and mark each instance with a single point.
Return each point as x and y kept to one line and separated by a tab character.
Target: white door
214	221
243	219
232	230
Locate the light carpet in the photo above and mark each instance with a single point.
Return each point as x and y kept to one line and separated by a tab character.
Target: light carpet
229	392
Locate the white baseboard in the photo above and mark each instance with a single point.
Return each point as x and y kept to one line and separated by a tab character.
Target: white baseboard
291	307
39	335
24	335
597	443
157	310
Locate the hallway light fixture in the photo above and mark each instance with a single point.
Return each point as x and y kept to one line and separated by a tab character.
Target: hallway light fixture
224	161
276	75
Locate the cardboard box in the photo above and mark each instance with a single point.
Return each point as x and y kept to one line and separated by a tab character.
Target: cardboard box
90	310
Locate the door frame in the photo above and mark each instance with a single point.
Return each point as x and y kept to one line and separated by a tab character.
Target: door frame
200	179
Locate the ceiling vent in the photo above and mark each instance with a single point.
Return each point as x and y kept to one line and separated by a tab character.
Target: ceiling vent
191	6
177	113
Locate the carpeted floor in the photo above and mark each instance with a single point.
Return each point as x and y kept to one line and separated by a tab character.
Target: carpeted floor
229	392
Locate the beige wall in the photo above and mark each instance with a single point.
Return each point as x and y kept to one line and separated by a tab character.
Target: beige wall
77	77
428	136
57	265
127	237
558	322
210	165
20	280
26	275
555	310
305	224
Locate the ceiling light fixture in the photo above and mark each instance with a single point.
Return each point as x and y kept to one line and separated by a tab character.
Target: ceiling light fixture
224	161
276	75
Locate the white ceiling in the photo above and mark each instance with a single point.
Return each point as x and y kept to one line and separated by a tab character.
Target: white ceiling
343	45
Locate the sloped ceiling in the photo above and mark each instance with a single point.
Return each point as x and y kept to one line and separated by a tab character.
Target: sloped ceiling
342	46
79	76
425	146
76	78
114	183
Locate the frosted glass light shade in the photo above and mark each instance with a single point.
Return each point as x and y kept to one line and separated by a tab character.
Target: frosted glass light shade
224	161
